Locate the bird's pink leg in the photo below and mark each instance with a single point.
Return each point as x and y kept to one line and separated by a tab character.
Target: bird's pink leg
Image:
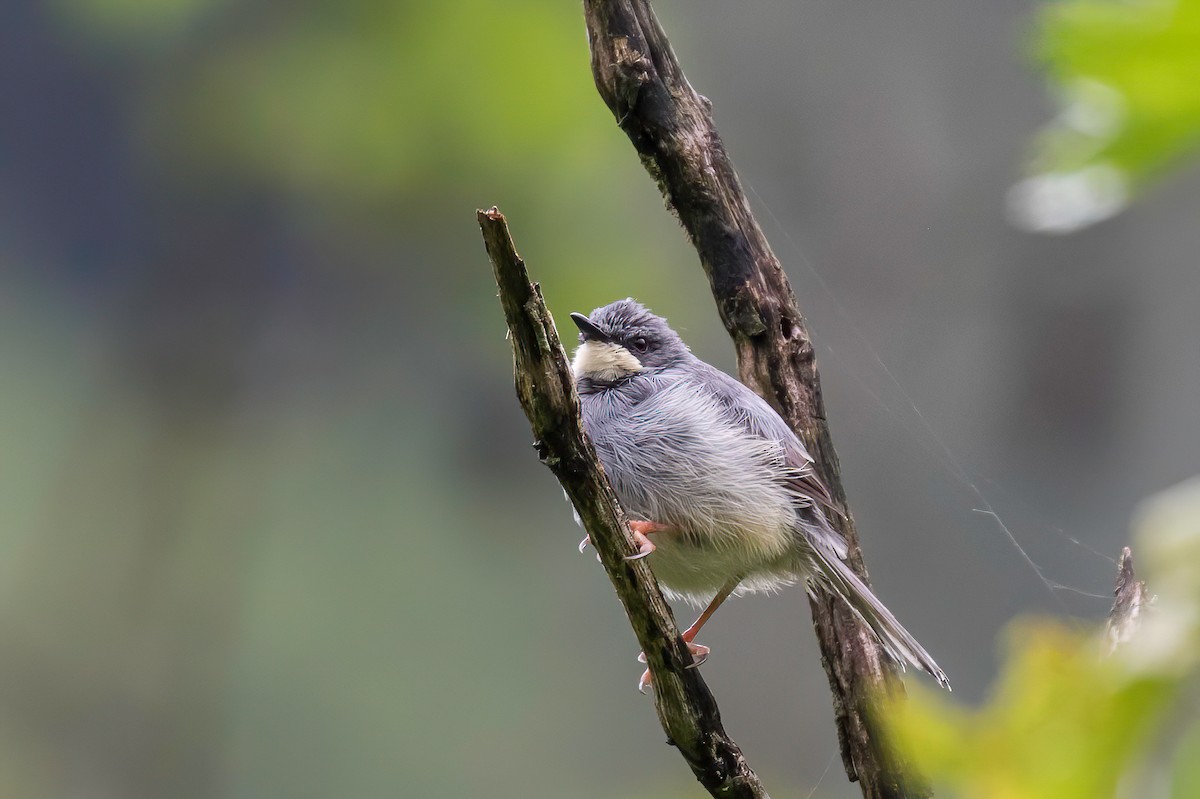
699	651
640	530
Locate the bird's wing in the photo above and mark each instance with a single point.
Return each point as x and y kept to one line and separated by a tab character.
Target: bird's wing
752	412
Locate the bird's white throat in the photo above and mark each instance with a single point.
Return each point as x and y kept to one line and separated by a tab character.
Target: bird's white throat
603	361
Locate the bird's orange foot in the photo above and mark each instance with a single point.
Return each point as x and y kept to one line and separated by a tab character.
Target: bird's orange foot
641	530
699	654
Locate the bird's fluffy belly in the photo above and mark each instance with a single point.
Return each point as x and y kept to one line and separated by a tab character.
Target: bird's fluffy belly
696	571
723	495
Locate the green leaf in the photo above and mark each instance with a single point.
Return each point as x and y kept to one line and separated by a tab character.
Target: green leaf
1126	74
1061	724
1185	782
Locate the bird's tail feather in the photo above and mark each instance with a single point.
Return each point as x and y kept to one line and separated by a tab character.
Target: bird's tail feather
897	641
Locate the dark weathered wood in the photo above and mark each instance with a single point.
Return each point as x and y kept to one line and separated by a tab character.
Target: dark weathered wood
546	388
1126	613
671	127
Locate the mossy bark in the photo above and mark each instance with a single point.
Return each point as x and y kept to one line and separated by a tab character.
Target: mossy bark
546	389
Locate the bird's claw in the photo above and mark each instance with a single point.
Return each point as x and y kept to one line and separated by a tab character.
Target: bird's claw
587	539
645	545
699	653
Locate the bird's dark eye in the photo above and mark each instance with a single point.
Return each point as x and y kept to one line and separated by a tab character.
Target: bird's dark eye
639	344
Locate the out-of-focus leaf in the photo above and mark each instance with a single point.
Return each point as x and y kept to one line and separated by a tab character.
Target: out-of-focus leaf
1185	782
143	24
1062	724
371	99
1127	77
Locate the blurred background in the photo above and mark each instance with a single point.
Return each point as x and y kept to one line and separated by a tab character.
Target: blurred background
270	522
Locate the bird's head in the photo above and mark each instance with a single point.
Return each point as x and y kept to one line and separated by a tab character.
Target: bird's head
622	339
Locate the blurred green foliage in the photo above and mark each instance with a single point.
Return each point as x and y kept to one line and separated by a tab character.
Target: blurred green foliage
1127	78
358	101
383	122
1060	724
1065	722
141	24
400	92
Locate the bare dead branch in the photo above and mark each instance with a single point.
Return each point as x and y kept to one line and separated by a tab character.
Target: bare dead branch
1130	597
546	388
671	127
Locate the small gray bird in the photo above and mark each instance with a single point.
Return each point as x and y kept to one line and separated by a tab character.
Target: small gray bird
723	496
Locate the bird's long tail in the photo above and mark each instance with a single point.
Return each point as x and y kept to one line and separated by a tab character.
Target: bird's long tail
897	641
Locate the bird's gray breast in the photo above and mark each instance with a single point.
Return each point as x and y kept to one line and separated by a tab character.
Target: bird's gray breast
676	456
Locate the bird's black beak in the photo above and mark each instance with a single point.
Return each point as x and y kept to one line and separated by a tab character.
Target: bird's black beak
590	332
